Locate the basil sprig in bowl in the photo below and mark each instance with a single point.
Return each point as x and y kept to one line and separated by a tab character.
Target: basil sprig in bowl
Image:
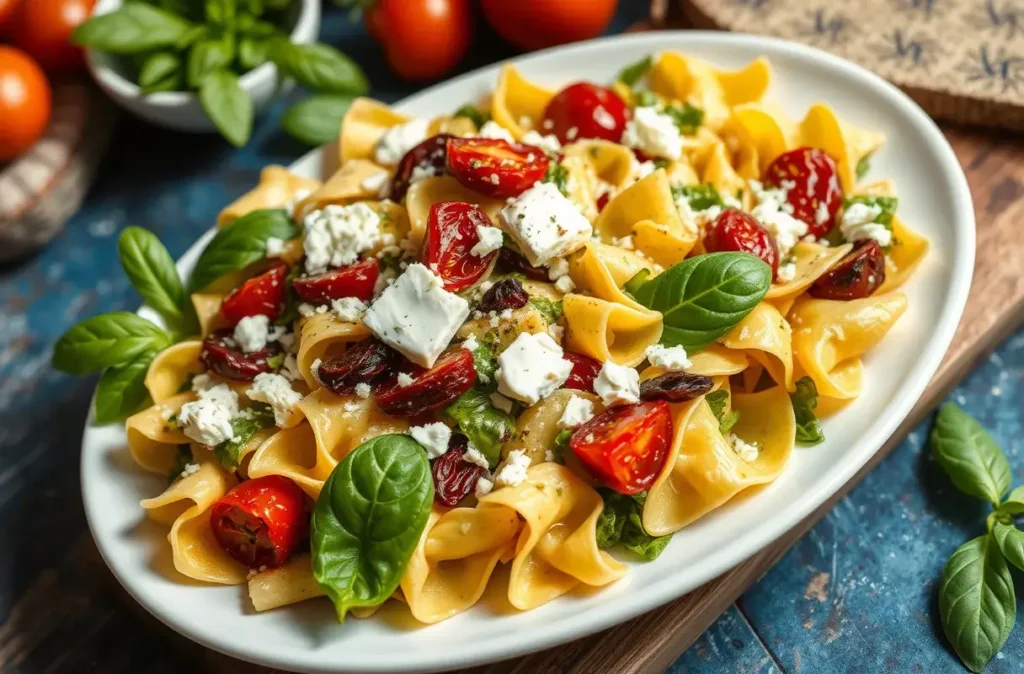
211	65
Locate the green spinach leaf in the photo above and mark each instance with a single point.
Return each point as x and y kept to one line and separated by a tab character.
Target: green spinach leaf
550	309
969	455
241	243
687	117
704	297
151	271
486	365
621	523
487	427
106	340
316	120
132	29
319	67
122	389
805	399
254	418
561	444
634	72
161	71
977	605
699	197
473	114
717	401
228	105
369	517
1011	543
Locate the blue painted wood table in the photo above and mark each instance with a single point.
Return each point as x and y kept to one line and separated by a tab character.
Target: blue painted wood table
856	594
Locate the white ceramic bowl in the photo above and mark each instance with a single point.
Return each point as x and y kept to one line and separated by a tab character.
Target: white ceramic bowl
180	110
934	200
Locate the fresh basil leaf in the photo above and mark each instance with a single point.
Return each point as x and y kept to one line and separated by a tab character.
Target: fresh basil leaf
977	605
863	166
647	99
550	309
247	24
635	281
805	399
621	523
559	176
106	340
122	389
486	365
717	401
132	29
241	243
561	444
252	52
254	418
886	204
221	12
319	67
368	519
207	56
182	458
699	197
704	297
151	271
473	113
316	120
1011	543
227	105
487	427
969	455
161	71
635	72
687	117
1013	505
194	34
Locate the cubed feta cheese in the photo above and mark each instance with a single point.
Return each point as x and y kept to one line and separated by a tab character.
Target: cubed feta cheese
349	309
617	384
416	315
549	143
336	235
670	358
398	140
208	419
654	133
434	438
745	450
251	333
531	368
578	411
276	391
492	129
491	239
545	224
514	470
858	222
558	268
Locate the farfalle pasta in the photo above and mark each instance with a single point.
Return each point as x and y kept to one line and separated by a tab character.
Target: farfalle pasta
544	333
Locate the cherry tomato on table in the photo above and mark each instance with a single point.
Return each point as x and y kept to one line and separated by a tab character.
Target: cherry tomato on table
859	274
535	24
422	39
43	29
451	236
585	110
625	446
260	522
734	230
221	355
8	8
356	280
494	167
261	295
25	103
813	187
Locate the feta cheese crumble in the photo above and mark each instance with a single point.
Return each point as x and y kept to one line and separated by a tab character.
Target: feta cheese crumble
434	438
491	239
276	391
379	183
252	332
531	368
558	269
492	129
416	315
773	211
363	390
208	419
471	343
475	456
654	133
858	222
578	411
787	272
336	235
514	471
745	450
545	224
670	358
617	384
189	469
404	379
484	485
549	143
398	140
275	246
349	309
501	402
565	285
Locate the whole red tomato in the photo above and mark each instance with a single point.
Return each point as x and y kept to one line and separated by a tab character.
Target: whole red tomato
422	39
25	103
43	29
535	24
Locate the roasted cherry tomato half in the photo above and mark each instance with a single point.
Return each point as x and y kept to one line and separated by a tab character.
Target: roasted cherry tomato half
584	371
355	280
451	235
625	446
494	167
585	110
221	355
366	362
859	274
511	261
261	521
508	293
812	183
454	478
452	375
675	387
261	295
429	157
734	230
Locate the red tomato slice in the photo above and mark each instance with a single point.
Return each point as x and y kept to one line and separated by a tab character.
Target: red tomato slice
585	110
584	371
451	235
734	230
221	355
431	155
452	375
260	295
494	167
625	446
261	522
815	193
356	280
